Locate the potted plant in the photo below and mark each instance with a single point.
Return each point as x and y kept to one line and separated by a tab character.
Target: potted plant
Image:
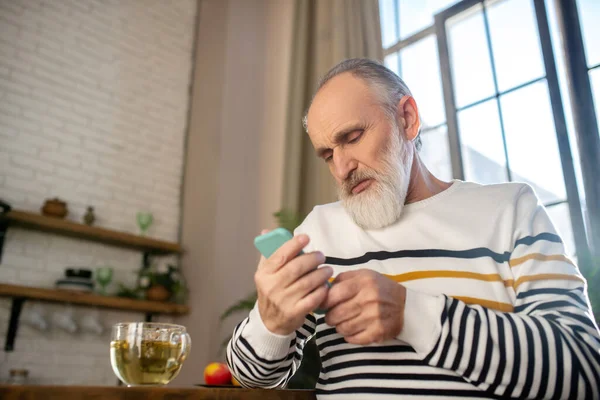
162	282
159	282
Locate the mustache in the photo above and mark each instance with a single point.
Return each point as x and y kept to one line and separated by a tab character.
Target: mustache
355	178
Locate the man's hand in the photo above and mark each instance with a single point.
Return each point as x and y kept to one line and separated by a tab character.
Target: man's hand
365	307
290	287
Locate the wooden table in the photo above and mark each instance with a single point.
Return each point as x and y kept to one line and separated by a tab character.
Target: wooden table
147	393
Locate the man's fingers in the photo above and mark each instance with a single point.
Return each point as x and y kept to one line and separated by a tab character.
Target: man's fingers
299	267
343	312
288	251
374	331
360	338
351	326
344	276
310	282
312	300
341	291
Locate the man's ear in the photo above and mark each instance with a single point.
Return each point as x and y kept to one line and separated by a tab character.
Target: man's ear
408	117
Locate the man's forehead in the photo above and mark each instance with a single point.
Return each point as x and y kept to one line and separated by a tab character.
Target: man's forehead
343	99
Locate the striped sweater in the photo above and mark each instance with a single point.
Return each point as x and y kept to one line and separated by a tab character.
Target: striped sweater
494	307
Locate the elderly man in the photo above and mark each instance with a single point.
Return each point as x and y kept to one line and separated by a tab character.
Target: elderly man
442	289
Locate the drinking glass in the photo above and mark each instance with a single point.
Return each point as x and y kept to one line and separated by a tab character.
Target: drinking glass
104	277
144	220
148	354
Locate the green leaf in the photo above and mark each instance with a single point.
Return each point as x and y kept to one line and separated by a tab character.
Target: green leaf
242	305
288	219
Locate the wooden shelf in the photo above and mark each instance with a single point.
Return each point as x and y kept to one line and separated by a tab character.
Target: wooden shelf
89	299
77	230
20	294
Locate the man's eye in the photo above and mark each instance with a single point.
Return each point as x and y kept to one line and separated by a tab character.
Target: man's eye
328	158
355	137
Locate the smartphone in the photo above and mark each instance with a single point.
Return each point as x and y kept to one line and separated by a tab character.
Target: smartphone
268	243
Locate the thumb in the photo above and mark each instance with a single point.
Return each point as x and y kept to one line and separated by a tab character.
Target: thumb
345	276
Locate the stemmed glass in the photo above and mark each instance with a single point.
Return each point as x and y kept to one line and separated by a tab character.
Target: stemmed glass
144	220
104	277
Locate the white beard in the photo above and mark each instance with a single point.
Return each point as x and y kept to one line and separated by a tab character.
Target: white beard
382	202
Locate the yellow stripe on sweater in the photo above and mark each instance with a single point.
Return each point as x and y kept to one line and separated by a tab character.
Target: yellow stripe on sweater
411	276
504	307
545	277
494	305
540	257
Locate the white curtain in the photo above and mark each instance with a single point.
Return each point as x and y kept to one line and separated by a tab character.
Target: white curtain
325	33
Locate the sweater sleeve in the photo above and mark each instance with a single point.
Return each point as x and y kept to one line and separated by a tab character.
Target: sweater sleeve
548	347
260	358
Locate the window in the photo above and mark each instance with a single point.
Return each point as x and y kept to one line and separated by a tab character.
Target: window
420	69
589	11
489	58
414	16
417	62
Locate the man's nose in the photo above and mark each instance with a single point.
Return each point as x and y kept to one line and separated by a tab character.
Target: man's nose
343	164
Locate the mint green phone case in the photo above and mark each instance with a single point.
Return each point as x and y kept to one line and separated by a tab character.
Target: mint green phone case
268	243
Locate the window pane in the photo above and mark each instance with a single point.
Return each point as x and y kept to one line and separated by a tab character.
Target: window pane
420	69
391	61
531	141
515	42
589	15
560	59
435	152
595	81
387	16
416	15
559	214
469	58
481	143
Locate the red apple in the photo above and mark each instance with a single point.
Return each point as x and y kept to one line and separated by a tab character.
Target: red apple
217	374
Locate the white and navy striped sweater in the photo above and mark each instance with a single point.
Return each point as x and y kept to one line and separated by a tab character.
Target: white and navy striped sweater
494	307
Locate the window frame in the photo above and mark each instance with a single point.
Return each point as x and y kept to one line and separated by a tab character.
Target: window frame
587	124
438	29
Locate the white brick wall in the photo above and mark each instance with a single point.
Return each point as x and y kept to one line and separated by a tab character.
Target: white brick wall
93	106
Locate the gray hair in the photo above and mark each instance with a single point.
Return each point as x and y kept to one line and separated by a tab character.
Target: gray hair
390	87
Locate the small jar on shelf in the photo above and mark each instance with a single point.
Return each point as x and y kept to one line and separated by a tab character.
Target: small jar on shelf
18	377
